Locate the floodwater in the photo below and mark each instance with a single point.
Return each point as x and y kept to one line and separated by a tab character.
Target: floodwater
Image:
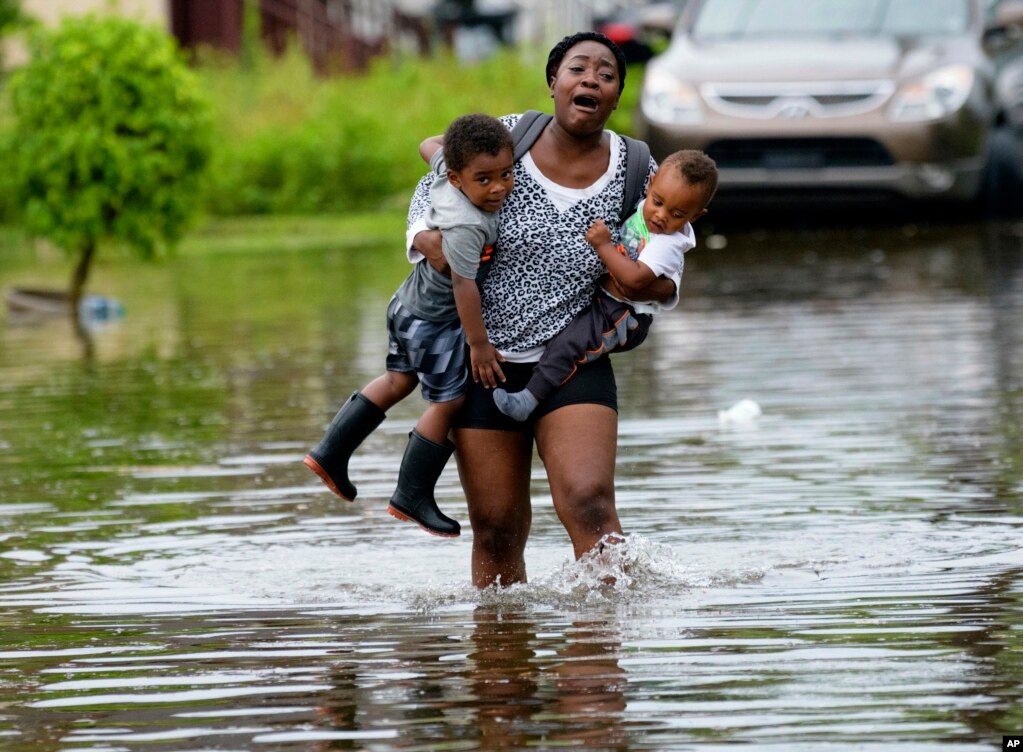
845	572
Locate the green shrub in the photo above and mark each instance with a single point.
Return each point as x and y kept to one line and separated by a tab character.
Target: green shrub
10	14
292	142
9	210
111	136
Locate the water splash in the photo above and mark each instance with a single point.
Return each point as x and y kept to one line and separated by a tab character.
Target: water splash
631	569
621	570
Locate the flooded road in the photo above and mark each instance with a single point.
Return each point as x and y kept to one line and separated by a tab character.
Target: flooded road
844	573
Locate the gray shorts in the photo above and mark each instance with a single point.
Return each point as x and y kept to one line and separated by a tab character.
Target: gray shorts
433	350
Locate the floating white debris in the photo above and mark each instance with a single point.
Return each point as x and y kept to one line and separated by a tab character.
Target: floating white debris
716	242
742	413
25	554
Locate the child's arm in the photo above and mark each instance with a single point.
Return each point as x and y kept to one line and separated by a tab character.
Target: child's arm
430	146
631	276
484	357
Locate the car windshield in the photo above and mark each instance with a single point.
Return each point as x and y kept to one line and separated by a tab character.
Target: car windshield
744	19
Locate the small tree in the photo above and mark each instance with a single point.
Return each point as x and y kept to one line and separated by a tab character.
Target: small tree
9	13
10	18
111	138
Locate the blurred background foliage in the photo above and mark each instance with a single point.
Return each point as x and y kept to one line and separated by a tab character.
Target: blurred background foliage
288	140
10	15
292	142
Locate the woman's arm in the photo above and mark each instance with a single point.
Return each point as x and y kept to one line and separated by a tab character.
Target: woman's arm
428	243
424	242
661	290
430	146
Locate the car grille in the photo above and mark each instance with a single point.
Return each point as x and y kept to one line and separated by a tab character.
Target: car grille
799	153
797	100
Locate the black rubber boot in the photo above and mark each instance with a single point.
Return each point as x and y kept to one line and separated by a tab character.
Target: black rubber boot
413	499
356	420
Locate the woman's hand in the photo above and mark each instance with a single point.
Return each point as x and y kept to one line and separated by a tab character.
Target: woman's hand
428	243
660	290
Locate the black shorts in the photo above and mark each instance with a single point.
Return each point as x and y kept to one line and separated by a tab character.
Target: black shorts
592	384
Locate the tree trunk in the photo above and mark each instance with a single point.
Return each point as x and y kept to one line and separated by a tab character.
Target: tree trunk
81	274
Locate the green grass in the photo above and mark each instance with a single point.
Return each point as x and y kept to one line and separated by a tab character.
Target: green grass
292	142
276	233
296	143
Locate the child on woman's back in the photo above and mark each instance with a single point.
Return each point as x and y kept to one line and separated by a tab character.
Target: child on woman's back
654	240
430	319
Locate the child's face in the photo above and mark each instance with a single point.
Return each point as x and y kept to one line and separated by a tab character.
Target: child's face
672	201
486	180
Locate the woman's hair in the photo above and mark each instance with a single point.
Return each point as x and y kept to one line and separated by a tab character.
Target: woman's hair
557	53
696	168
471	135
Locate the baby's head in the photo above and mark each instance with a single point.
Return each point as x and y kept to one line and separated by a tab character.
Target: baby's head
680	191
478	155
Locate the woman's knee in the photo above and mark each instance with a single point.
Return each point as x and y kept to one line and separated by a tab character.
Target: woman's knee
500	532
499	543
589	503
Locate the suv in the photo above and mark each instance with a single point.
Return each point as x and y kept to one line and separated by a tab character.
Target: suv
862	98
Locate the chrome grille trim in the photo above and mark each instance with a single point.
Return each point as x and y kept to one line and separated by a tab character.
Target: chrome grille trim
818	99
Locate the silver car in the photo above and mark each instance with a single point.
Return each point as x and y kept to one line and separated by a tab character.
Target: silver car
912	98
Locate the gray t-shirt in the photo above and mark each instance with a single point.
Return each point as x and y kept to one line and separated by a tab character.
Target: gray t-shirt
466	229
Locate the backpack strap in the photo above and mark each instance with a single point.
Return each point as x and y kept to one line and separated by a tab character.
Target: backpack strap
527	131
637	155
637	168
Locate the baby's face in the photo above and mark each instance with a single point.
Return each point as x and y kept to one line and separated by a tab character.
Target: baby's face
672	201
486	180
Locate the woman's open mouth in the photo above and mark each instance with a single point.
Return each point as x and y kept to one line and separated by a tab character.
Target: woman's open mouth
586	102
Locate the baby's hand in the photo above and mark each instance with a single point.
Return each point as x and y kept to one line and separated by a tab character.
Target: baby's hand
598	234
484	365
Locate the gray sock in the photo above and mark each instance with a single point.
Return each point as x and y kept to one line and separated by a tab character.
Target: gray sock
516	405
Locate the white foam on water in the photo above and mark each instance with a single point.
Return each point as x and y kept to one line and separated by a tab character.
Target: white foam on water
25	555
632	570
411	571
361	561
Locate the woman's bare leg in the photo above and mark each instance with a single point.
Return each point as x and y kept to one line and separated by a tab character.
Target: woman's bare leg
578	445
494	469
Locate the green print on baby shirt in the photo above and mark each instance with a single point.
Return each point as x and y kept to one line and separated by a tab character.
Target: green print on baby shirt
635	235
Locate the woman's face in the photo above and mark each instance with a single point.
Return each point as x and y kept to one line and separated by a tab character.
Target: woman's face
585	88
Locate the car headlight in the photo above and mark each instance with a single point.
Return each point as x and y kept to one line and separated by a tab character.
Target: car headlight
934	96
670	101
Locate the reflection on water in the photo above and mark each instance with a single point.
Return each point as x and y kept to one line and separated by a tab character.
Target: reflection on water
844	573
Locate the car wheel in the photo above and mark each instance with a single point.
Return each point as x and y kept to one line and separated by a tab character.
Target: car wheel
1003	181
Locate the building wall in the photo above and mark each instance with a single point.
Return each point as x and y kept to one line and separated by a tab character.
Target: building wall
51	11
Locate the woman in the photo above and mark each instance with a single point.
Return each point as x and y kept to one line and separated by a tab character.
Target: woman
543	273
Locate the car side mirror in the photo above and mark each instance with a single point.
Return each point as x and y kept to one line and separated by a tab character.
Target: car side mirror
1010	14
659	19
1008	20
